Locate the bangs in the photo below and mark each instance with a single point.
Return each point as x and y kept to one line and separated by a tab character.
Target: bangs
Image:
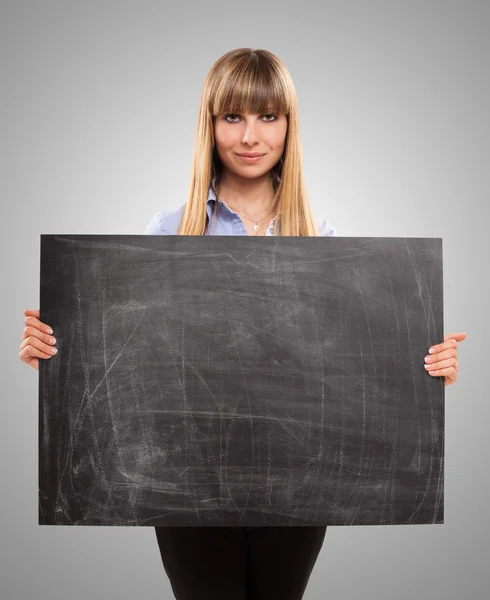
250	86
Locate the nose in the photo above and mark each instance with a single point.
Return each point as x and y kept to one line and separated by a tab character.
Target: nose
250	134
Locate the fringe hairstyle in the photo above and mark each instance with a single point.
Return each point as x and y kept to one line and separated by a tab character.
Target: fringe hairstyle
254	80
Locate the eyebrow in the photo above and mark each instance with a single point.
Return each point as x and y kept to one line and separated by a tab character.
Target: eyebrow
237	112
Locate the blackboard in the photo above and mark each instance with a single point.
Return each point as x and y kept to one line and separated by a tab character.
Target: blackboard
240	381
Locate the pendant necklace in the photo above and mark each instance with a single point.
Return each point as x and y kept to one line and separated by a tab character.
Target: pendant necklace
256	224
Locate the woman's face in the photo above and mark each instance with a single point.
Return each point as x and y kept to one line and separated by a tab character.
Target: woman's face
264	134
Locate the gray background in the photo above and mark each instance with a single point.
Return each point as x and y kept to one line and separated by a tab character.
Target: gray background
99	105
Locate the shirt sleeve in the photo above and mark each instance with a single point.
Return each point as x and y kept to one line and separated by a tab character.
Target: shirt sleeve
155	226
326	229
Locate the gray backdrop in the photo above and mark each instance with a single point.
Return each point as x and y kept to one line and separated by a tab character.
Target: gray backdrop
99	105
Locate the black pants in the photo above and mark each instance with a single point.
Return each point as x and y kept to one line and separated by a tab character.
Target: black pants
239	563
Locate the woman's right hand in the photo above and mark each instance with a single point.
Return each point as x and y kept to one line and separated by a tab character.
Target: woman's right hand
37	342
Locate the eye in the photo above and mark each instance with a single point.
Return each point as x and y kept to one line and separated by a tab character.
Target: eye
274	117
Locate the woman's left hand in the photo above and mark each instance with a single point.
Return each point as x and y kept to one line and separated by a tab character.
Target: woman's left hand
443	359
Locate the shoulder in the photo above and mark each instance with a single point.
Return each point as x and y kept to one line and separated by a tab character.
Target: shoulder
165	222
325	228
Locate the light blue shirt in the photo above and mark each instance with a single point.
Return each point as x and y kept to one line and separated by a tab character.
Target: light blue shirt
226	222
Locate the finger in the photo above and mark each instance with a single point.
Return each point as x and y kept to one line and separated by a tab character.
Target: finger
459	337
35	322
442	364
33	331
39	345
432	358
450	343
30	353
448	372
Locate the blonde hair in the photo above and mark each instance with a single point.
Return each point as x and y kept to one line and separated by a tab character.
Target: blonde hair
257	81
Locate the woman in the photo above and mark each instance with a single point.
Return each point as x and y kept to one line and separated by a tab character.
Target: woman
247	179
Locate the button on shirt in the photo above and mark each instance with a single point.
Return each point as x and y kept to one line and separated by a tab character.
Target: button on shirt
226	222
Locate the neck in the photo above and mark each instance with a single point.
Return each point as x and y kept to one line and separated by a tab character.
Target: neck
254	197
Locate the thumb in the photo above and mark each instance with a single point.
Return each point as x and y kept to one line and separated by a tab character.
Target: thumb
459	337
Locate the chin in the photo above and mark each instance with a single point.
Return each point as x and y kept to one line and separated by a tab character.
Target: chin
250	171
249	174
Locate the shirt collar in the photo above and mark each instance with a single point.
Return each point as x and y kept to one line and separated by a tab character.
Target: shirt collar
211	198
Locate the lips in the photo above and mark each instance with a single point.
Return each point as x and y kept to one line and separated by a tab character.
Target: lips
250	160
249	154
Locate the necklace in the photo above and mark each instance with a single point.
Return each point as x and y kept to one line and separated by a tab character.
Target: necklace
255	223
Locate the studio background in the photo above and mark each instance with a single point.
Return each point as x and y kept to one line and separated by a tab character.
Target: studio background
99	106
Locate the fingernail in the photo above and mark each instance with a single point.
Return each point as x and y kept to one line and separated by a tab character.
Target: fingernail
49	330
431	351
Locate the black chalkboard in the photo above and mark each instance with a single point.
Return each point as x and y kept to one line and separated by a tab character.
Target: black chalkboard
240	381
